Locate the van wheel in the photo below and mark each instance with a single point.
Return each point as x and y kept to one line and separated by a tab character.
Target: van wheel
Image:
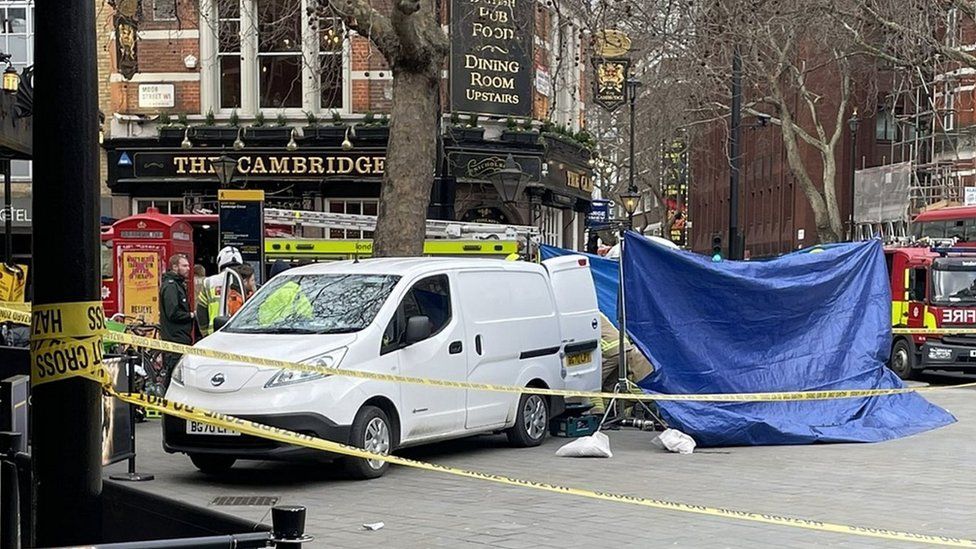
531	422
209	464
370	431
902	360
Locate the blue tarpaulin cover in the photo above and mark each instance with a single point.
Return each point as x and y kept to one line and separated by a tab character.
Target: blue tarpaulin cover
801	322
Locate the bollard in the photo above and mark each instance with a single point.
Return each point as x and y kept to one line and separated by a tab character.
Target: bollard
10	499
131	475
288	526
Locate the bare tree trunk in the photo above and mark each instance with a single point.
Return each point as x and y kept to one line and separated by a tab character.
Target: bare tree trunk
413	43
409	171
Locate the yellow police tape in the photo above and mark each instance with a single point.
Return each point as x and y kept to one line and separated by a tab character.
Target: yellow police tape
252	428
782	396
72	325
65	340
167	346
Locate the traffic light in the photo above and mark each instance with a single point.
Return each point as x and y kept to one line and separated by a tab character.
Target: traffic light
716	248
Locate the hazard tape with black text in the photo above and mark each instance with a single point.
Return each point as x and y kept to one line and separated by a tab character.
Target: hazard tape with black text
167	346
70	326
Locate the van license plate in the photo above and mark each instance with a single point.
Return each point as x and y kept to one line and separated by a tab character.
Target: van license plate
578	359
197	428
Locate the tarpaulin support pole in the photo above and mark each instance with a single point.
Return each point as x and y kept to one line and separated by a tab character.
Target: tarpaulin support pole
66	415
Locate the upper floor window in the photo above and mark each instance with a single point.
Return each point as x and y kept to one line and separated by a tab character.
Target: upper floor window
271	54
885	126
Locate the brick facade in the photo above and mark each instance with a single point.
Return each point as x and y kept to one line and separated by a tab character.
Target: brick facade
163	47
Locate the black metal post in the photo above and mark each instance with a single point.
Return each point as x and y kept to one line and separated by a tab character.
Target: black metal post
10	534
66	415
131	474
8	241
735	137
632	85
853	126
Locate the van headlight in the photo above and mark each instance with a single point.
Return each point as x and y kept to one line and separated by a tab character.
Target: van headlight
177	376
330	359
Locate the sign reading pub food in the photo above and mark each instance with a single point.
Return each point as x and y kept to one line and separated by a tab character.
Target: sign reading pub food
491	57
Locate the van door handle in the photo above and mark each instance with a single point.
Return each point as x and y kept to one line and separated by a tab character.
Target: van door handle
477	344
455	347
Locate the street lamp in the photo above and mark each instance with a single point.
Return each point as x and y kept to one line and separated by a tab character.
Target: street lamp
11	80
630	200
853	124
225	167
509	181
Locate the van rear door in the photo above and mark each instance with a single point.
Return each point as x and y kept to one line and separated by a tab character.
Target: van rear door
579	320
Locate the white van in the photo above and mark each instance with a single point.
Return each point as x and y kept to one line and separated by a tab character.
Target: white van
487	321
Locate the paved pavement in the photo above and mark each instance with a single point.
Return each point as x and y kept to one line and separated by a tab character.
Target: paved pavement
921	484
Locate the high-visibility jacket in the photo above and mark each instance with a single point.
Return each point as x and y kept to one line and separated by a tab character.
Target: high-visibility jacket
287	301
208	302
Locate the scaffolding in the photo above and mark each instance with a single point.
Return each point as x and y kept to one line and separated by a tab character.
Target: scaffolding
926	108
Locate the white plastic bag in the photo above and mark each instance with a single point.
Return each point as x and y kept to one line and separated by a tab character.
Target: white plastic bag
675	441
595	445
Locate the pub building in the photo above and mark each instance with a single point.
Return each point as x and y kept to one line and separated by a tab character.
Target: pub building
314	137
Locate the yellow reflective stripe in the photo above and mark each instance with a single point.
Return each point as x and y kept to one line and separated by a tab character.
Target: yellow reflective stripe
607	345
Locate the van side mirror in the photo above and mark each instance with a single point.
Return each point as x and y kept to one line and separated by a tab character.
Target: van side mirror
220	322
418	329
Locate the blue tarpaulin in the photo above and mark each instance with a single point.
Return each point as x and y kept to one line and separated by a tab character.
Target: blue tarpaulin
605	278
801	322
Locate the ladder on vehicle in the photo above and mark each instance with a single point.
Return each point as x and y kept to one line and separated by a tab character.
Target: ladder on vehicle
435	228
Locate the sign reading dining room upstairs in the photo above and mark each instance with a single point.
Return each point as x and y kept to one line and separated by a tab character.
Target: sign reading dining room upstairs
491	56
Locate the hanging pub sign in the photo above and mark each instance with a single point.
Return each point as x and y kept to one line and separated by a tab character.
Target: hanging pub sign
126	21
491	56
611	78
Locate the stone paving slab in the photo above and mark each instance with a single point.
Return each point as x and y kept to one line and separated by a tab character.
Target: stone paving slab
925	484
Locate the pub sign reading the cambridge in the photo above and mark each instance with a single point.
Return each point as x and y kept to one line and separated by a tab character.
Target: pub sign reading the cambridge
491	56
611	78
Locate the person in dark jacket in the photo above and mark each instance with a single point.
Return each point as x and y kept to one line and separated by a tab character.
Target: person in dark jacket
175	316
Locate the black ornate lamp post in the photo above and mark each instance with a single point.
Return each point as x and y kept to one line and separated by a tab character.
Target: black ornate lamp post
853	123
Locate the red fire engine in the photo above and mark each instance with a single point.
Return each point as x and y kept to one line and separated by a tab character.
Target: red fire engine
932	289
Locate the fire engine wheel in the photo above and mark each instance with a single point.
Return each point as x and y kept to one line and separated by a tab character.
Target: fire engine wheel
903	360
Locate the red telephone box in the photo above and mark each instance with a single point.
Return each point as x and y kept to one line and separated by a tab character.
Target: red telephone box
142	245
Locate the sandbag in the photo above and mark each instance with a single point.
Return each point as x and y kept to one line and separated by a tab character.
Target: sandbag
595	445
675	441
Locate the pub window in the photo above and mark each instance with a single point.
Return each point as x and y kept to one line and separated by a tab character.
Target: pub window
270	54
551	225
280	53
357	206
164	205
330	64
229	53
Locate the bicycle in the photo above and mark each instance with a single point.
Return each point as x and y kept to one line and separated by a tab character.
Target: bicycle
149	372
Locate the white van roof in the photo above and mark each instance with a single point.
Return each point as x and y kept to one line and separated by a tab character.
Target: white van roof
412	266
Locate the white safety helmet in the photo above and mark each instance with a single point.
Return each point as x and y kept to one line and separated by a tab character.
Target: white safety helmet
228	256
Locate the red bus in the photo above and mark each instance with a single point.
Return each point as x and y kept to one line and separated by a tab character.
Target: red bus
957	222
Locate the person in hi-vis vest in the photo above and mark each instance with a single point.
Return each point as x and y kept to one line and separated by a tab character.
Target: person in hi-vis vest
208	295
